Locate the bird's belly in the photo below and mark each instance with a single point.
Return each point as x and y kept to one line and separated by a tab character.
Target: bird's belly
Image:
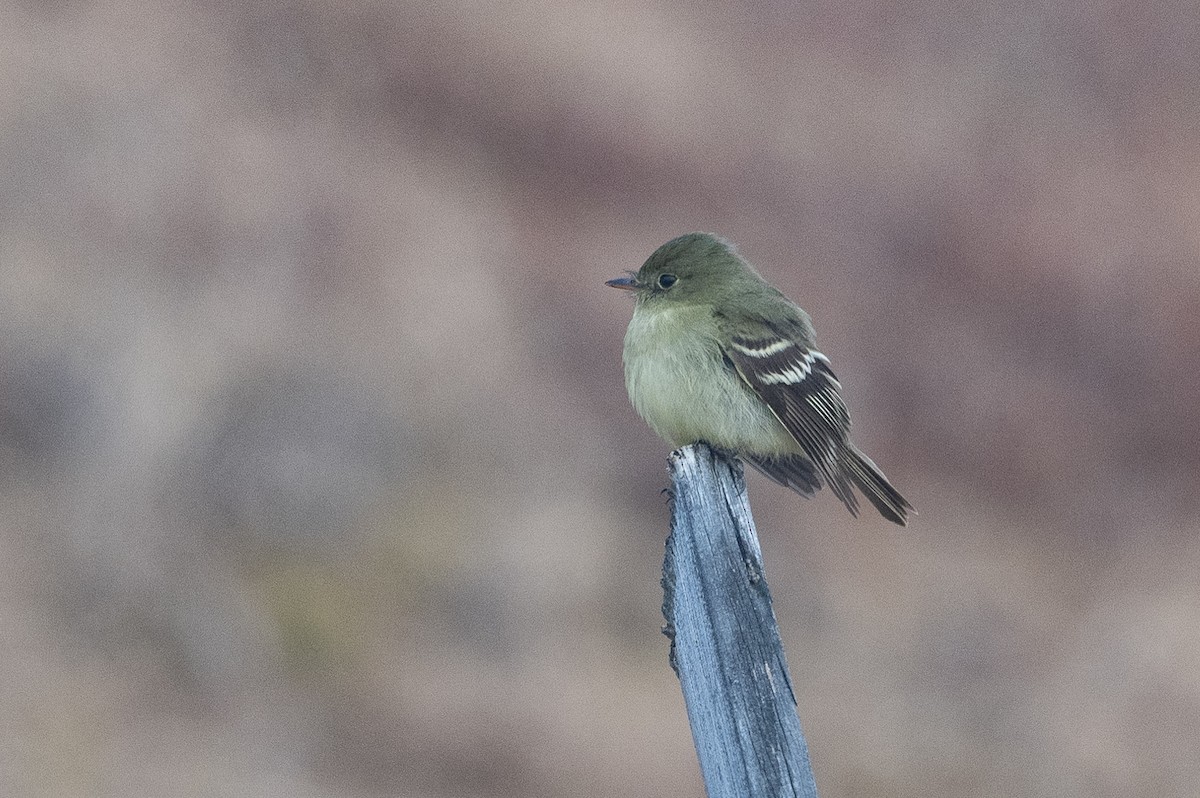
687	392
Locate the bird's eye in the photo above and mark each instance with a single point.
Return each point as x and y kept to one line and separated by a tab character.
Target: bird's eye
666	280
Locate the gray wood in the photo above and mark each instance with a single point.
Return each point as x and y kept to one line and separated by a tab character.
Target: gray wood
725	644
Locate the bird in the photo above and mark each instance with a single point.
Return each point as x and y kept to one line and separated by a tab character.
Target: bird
716	354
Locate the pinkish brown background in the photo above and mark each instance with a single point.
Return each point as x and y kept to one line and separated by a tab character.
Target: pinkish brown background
318	478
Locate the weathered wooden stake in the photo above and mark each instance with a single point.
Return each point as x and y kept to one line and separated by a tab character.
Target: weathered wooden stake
725	644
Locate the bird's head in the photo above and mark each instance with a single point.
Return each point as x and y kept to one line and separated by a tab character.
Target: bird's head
695	268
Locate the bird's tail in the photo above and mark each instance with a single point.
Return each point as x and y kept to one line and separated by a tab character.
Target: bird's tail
791	471
858	469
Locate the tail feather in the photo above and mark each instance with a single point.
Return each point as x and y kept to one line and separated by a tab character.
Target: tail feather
792	472
871	482
854	470
839	483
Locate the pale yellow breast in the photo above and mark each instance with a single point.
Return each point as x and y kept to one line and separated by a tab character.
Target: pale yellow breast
679	384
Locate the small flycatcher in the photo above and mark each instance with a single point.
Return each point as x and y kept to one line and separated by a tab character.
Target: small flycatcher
716	354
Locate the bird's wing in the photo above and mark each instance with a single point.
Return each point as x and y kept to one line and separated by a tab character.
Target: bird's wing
799	386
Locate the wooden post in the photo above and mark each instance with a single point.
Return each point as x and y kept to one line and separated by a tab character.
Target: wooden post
725	644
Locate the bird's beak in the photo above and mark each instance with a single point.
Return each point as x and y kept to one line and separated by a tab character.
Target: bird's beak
625	283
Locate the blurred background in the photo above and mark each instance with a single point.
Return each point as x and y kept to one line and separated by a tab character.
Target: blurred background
317	472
